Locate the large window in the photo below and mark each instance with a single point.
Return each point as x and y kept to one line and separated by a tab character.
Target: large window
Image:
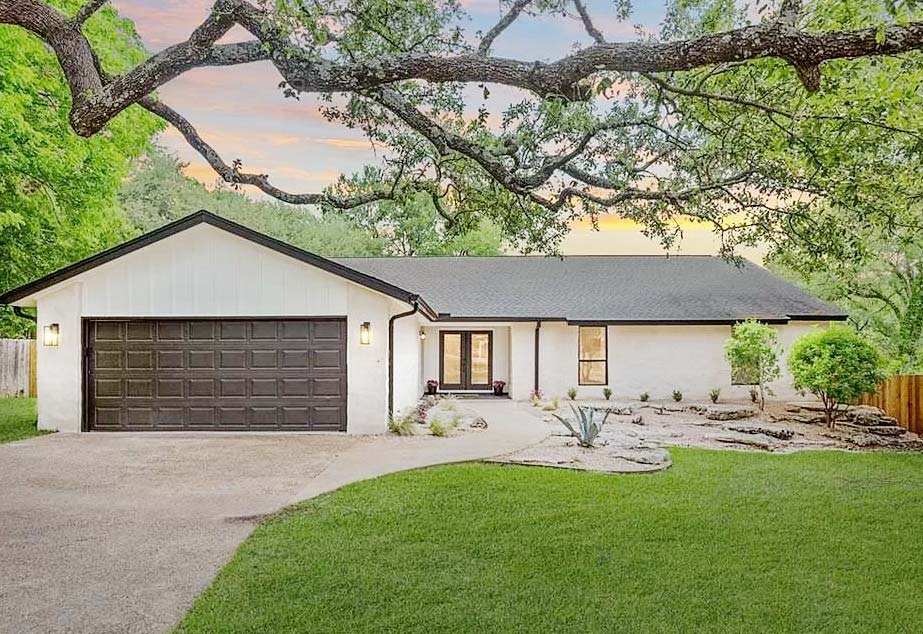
593	366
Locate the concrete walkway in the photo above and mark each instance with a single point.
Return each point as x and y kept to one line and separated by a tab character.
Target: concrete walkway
509	429
118	533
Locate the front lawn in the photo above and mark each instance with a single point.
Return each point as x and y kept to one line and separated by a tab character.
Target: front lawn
17	419
721	542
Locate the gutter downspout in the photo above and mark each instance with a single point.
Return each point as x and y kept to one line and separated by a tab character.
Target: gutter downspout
538	330
414	301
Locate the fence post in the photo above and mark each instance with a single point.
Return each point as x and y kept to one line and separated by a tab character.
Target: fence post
33	369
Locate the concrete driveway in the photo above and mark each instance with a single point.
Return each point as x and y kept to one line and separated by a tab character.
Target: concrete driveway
119	533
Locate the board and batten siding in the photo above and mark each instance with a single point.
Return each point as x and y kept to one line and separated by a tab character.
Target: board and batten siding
15	367
207	272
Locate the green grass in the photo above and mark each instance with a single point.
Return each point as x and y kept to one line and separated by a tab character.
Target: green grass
17	419
721	542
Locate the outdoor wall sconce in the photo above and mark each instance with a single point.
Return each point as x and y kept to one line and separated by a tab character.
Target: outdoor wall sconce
51	335
422	335
365	333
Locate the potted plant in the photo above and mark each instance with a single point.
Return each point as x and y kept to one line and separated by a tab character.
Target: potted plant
498	387
431	386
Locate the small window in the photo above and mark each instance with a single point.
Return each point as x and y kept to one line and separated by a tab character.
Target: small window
592	356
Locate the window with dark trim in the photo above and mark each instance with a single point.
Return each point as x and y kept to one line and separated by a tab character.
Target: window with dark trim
592	356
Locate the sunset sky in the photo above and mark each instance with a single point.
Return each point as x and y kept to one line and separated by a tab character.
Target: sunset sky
243	114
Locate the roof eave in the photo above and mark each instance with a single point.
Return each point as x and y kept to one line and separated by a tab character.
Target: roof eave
199	217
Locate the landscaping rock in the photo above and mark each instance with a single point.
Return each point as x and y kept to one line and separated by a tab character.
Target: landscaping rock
758	441
781	433
637	420
729	412
478	423
643	455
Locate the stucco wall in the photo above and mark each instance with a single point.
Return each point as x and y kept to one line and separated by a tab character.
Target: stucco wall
657	360
407	362
205	271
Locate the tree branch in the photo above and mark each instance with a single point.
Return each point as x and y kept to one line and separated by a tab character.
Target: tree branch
233	174
510	17
86	11
588	25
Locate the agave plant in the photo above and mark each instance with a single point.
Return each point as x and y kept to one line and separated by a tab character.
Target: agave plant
584	428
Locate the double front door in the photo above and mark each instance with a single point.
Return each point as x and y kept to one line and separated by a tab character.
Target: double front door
465	359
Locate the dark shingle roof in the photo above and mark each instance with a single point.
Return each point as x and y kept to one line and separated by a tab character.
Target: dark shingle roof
598	288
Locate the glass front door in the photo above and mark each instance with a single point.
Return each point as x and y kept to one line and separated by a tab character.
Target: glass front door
465	360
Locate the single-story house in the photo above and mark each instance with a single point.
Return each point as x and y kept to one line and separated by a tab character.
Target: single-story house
205	324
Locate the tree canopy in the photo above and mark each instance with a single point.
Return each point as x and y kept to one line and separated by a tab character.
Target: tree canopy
616	127
57	189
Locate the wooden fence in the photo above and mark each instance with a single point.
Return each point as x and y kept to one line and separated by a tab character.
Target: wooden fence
17	367
901	396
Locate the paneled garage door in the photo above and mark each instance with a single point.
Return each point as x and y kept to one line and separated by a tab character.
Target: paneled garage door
227	374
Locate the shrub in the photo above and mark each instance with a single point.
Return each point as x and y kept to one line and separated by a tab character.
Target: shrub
572	393
585	428
423	406
607	393
753	352
714	394
535	397
645	397
836	365
552	405
677	396
402	424
449	403
438	427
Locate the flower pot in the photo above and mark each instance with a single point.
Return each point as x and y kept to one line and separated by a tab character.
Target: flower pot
431	390
498	391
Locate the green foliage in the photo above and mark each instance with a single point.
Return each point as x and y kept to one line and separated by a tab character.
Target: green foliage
572	393
420	223
607	393
677	396
714	394
439	427
585	427
157	192
835	364
17	419
645	397
481	548
753	352
401	425
57	190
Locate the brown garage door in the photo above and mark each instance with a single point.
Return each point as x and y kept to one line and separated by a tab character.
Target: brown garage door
228	374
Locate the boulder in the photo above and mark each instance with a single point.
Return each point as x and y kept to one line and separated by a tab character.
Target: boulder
478	423
729	412
637	420
780	433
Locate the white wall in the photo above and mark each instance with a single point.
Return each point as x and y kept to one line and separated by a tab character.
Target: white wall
205	271
407	362
657	360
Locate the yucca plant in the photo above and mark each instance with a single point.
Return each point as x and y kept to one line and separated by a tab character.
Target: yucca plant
584	428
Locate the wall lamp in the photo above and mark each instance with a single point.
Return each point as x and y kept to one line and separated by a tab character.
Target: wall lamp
365	333
422	335
51	335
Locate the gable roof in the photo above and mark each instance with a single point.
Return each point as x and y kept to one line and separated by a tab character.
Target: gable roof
579	289
600	289
200	217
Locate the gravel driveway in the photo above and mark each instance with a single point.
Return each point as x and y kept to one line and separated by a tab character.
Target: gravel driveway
119	532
